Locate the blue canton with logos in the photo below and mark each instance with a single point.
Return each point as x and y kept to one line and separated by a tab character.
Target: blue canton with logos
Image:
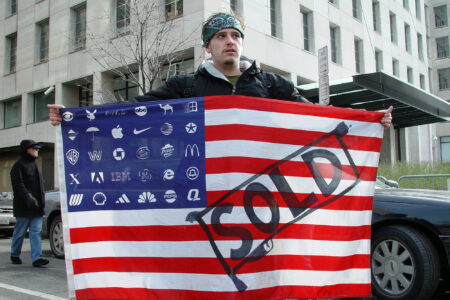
135	155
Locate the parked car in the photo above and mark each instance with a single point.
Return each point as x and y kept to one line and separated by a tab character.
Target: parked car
52	224
7	220
410	240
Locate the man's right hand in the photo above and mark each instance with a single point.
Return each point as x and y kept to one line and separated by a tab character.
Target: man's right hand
54	115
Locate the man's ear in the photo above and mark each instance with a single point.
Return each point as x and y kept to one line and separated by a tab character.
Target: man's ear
208	49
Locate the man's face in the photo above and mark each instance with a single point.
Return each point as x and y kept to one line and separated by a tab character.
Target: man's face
33	152
225	47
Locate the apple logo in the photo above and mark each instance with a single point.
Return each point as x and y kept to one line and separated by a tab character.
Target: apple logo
117	132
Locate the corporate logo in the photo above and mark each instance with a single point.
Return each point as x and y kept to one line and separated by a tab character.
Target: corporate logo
170	196
92	130
140	111
191	150
115	113
146	197
144	175
191	107
97	177
72	135
74	178
191	127
136	132
72	156
91	115
67	116
117	132
119	154
168	174
123	176
166	108
99	198
123	199
193	195
192	173
166	129
95	155
167	150
75	199
143	152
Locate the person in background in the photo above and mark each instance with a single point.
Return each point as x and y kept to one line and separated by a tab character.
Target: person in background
28	203
227	73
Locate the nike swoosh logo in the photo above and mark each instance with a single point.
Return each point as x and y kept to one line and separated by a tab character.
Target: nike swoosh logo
135	131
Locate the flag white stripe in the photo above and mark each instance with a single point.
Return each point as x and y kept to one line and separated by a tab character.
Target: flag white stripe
192	281
178	217
222	182
289	121
242	148
202	249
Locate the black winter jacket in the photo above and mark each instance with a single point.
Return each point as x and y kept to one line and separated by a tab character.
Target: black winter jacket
208	81
29	197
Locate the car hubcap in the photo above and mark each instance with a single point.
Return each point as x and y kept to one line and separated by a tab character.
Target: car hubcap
58	239
392	267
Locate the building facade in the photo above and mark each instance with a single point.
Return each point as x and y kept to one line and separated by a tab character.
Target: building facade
439	34
47	57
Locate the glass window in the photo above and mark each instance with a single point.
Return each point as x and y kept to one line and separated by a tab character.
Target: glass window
176	68
440	16
359	57
272	18
356	9
393	27
122	16
442	47
40	105
43	41
174	8
406	4
307	30
13	7
422	81
420	46
378	60
410	75
445	148
85	95
444	77
395	67
335	44
12	113
376	16
125	89
335	2
80	28
12	44
407	38
418	10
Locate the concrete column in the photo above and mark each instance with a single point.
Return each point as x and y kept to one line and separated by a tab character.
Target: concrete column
103	88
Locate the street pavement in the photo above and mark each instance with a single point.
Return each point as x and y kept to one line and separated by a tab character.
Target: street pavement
25	282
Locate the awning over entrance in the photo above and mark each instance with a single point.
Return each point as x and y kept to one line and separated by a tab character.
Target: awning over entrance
376	91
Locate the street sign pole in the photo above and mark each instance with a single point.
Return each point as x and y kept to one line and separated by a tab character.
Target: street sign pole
324	82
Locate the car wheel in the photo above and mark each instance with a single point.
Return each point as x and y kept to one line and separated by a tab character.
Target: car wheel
56	237
405	264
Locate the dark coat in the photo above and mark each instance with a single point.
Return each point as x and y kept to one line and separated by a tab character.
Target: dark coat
253	82
29	197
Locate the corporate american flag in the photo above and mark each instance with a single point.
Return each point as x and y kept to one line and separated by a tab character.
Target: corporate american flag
222	197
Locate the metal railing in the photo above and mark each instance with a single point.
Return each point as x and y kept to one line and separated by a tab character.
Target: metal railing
426	181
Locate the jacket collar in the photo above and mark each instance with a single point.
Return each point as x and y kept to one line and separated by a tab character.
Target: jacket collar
246	65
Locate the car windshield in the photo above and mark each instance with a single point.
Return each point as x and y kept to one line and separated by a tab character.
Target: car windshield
381	185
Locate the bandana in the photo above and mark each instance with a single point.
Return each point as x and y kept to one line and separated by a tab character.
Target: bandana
218	23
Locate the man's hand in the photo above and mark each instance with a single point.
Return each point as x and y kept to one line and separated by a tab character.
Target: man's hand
386	120
54	115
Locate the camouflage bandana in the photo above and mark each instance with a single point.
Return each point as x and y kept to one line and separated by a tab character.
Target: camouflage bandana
218	23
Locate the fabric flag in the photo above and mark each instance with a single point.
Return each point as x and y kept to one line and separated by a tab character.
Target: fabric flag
223	197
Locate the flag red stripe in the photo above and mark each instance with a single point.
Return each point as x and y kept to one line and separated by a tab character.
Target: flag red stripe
286	136
213	265
289	107
276	292
253	165
196	233
354	203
